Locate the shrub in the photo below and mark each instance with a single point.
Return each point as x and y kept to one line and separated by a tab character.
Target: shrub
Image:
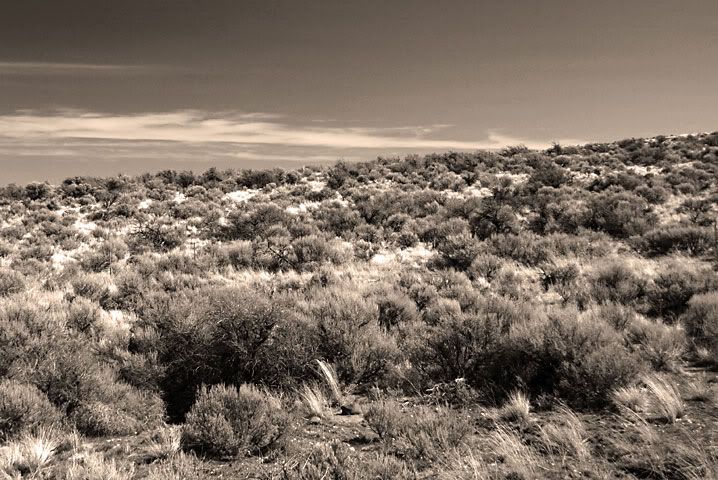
23	409
459	250
620	214
701	320
347	333
11	282
661	345
104	255
618	316
458	346
83	315
579	361
674	286
566	437
395	308
226	422
661	241
616	283
485	265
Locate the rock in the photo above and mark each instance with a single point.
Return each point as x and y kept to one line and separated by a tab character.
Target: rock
315	420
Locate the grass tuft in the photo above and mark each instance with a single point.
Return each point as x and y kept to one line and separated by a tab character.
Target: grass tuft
665	398
516	409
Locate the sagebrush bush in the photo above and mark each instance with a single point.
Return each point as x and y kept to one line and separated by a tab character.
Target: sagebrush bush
11	282
24	409
661	345
348	335
226	421
674	285
701	321
661	241
579	361
617	283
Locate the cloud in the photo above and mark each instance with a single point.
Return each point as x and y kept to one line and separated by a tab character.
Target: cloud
59	68
198	127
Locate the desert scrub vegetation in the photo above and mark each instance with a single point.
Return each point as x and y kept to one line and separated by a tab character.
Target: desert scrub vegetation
226	421
395	307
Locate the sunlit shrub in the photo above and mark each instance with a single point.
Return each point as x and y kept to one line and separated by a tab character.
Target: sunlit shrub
226	422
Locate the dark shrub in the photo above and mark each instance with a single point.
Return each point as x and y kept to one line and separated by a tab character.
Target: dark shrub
348	335
691	240
485	265
226	422
674	286
23	408
660	345
458	346
459	250
616	283
620	214
701	319
83	315
11	282
104	255
395	308
581	362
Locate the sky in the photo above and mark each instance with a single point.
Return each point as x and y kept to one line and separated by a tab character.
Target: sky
99	87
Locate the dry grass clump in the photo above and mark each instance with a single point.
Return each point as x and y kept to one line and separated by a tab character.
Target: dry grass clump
329	375
94	466
462	464
508	448
701	391
516	409
633	398
665	398
642	451
178	467
568	437
425	432
314	401
30	454
165	442
338	461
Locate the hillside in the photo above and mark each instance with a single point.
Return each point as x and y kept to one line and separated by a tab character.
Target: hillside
512	314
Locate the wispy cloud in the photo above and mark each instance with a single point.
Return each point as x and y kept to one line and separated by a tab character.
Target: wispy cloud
60	68
191	126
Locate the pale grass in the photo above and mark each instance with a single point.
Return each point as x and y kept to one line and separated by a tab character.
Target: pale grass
31	453
179	467
567	438
314	401
165	442
665	398
329	375
701	391
94	466
520	458
516	408
633	398
463	465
